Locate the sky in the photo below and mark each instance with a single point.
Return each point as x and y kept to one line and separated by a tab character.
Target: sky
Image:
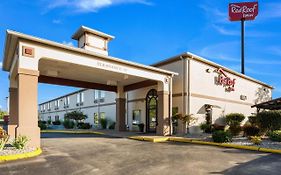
148	31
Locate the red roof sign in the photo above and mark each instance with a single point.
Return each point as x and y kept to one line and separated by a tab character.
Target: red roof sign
244	10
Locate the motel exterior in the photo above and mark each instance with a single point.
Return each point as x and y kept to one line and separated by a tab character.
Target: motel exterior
124	92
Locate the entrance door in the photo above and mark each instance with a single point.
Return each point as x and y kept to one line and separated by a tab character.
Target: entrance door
151	110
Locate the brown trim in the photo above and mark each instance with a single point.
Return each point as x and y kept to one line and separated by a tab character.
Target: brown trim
136	100
220	99
28	72
139	85
75	83
179	94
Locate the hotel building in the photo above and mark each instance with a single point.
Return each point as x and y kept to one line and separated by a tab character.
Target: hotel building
119	90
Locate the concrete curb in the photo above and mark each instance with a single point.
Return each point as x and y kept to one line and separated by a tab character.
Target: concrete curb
5	158
187	140
72	132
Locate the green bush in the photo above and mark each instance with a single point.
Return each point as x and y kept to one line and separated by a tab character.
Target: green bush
275	135
103	122
112	125
234	121
42	125
251	130
20	142
207	128
221	136
269	120
253	119
56	122
68	124
84	125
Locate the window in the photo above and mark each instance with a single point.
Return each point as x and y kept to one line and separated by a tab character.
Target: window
136	116
57	118
96	94
66	102
102	94
57	104
49	118
49	105
44	107
80	98
96	118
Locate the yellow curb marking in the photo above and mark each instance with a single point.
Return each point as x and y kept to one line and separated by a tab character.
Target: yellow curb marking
37	152
187	140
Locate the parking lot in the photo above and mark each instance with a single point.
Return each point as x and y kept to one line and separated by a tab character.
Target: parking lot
98	154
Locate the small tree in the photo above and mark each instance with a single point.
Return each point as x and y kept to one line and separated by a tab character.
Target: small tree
2	114
187	119
234	121
78	116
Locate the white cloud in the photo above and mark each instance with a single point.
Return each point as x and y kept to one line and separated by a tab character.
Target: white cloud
68	43
56	21
92	5
1	64
275	50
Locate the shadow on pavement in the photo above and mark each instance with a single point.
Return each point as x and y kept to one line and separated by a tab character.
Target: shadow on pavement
265	165
71	135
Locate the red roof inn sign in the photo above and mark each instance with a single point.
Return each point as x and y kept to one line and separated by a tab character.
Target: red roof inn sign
225	81
243	11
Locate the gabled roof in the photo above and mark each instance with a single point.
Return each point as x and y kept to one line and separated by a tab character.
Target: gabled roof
188	55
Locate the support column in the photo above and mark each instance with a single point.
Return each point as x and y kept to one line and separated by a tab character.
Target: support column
13	112
163	127
27	106
120	109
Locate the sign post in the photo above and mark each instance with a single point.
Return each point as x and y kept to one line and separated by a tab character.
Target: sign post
242	12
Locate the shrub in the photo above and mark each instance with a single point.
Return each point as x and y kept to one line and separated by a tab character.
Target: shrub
207	128
251	130
221	136
20	142
84	125
4	137
103	122
68	124
234	120
42	125
275	135
256	140
269	120
75	115
112	125
253	119
57	122
49	121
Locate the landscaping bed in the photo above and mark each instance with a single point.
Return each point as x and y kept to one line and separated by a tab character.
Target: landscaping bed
10	150
239	140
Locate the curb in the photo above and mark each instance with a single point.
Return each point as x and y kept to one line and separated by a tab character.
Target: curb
5	158
72	132
187	140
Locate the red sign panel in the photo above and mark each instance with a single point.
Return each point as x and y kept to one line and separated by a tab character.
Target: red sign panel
244	10
225	81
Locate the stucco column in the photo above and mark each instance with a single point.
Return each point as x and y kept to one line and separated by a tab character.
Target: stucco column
163	120
13	112
27	106
120	109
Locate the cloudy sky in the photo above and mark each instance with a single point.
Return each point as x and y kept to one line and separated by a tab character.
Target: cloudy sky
148	31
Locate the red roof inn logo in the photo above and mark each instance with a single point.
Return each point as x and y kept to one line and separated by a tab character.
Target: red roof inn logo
225	81
244	10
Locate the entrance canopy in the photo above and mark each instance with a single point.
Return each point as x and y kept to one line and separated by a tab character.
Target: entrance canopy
274	104
30	60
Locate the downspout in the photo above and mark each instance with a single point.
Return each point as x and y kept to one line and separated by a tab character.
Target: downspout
188	87
171	104
127	108
183	111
